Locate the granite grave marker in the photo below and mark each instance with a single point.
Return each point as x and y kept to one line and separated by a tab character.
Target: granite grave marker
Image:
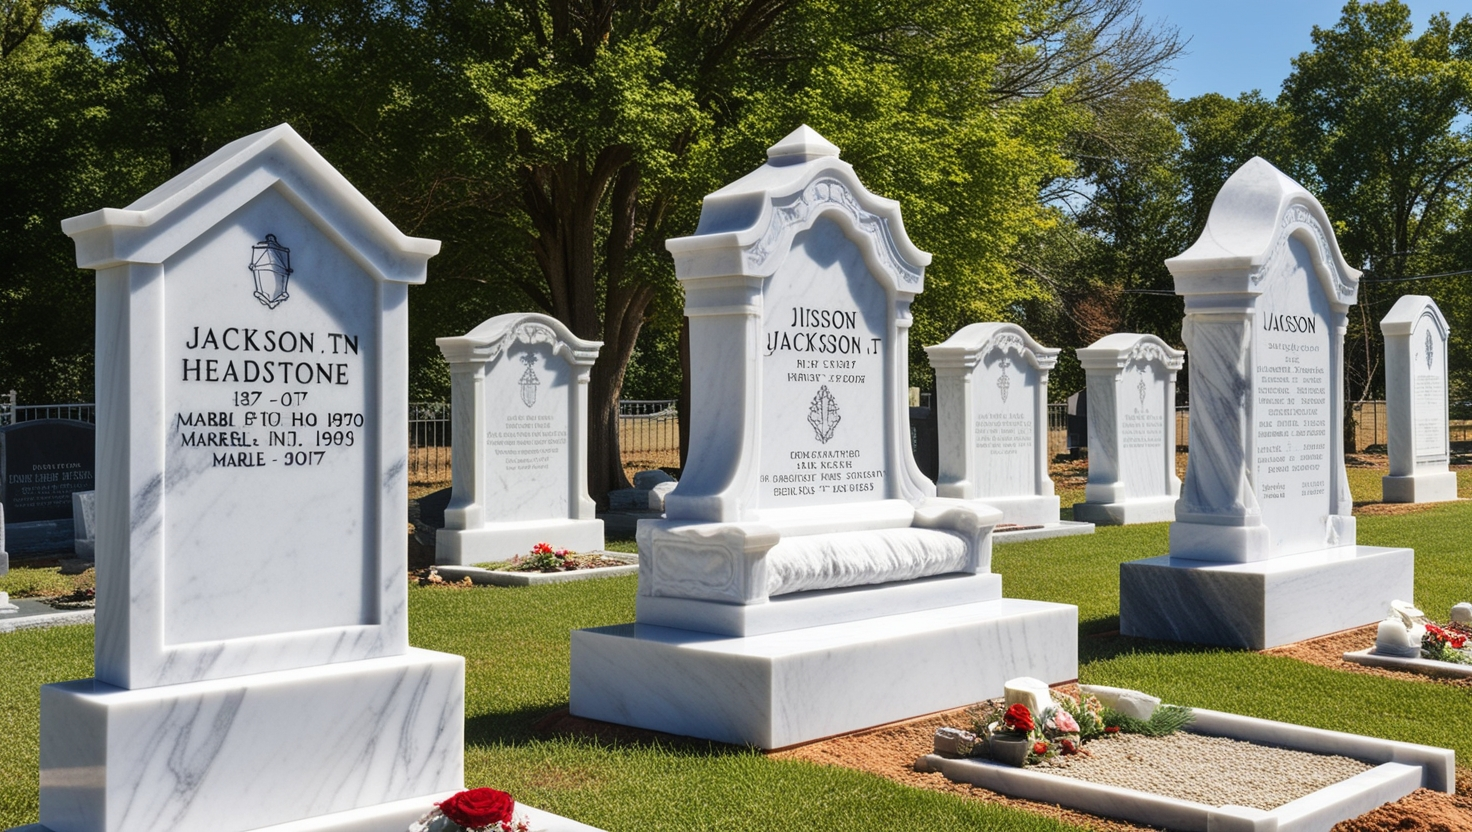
42	462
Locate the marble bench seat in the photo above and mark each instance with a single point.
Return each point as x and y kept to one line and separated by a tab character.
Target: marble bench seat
748	563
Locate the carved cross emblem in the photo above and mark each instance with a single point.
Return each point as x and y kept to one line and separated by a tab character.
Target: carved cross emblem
529	380
823	414
1003	382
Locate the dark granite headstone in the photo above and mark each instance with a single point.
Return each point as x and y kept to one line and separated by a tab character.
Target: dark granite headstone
1078	420
41	463
924	440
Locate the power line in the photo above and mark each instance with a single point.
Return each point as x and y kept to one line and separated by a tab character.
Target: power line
1417	277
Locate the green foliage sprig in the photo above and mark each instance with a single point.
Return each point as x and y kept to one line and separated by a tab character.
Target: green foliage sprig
1166	720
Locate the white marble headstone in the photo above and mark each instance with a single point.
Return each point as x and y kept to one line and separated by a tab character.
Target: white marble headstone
1266	473
519	387
252	443
1263	549
1416	403
991	382
799	333
1132	430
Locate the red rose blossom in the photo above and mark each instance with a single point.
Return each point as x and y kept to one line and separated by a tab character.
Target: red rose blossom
1040	748
1112	729
1068	746
479	808
1018	718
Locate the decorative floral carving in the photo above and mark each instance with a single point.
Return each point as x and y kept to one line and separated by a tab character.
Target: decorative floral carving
1004	383
526	332
791	214
823	414
1298	216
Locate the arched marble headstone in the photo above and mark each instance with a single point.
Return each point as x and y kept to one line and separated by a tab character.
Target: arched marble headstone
519	392
802	530
1416	403
1132	430
1266	499
991	384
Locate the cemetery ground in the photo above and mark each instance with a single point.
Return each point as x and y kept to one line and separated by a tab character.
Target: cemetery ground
519	738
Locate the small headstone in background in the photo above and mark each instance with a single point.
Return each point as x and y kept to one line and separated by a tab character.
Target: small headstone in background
1416	336
1462	613
519	390
42	462
1132	430
84	519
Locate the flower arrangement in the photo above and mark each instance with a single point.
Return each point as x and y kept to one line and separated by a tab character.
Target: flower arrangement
1445	644
1062	728
543	558
473	810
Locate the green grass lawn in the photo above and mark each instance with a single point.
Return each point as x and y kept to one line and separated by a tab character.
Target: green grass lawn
515	641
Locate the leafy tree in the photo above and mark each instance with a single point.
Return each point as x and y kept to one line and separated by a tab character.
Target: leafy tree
1376	112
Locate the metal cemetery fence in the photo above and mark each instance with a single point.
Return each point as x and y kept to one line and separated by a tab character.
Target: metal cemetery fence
12	413
649	437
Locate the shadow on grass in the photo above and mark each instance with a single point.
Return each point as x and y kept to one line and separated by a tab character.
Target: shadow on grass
1099	640
518	728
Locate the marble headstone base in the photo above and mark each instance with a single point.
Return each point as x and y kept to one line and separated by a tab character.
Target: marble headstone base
1436	487
780	689
392	817
39	536
1127	512
376	741
1265	603
1024	510
500	541
1058	528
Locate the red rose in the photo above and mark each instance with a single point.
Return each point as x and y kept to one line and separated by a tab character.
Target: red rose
1018	718
1068	746
479	808
1040	748
1112	729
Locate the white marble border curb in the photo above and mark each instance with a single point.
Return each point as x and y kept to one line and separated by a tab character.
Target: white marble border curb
38	622
494	578
1430	667
1401	769
1063	528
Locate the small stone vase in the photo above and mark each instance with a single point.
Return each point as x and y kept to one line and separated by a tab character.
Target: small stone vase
1011	751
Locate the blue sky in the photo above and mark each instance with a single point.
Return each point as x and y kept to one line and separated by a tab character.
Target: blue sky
1240	45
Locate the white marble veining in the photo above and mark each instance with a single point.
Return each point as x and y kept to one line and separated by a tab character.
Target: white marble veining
784	688
250	450
1132	430
813	609
242	753
252	657
519	395
1416	398
1267	295
1264	603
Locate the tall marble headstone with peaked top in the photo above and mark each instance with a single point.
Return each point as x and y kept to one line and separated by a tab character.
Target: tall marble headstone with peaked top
252	658
803	555
519	393
1263	551
991	385
1132	430
1416	403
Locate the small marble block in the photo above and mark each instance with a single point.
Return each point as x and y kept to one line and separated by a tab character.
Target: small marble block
243	753
780	689
1263	603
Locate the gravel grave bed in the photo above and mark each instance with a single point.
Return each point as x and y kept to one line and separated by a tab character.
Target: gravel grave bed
1215	771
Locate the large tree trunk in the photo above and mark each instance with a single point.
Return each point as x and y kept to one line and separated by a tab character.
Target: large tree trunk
563	202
